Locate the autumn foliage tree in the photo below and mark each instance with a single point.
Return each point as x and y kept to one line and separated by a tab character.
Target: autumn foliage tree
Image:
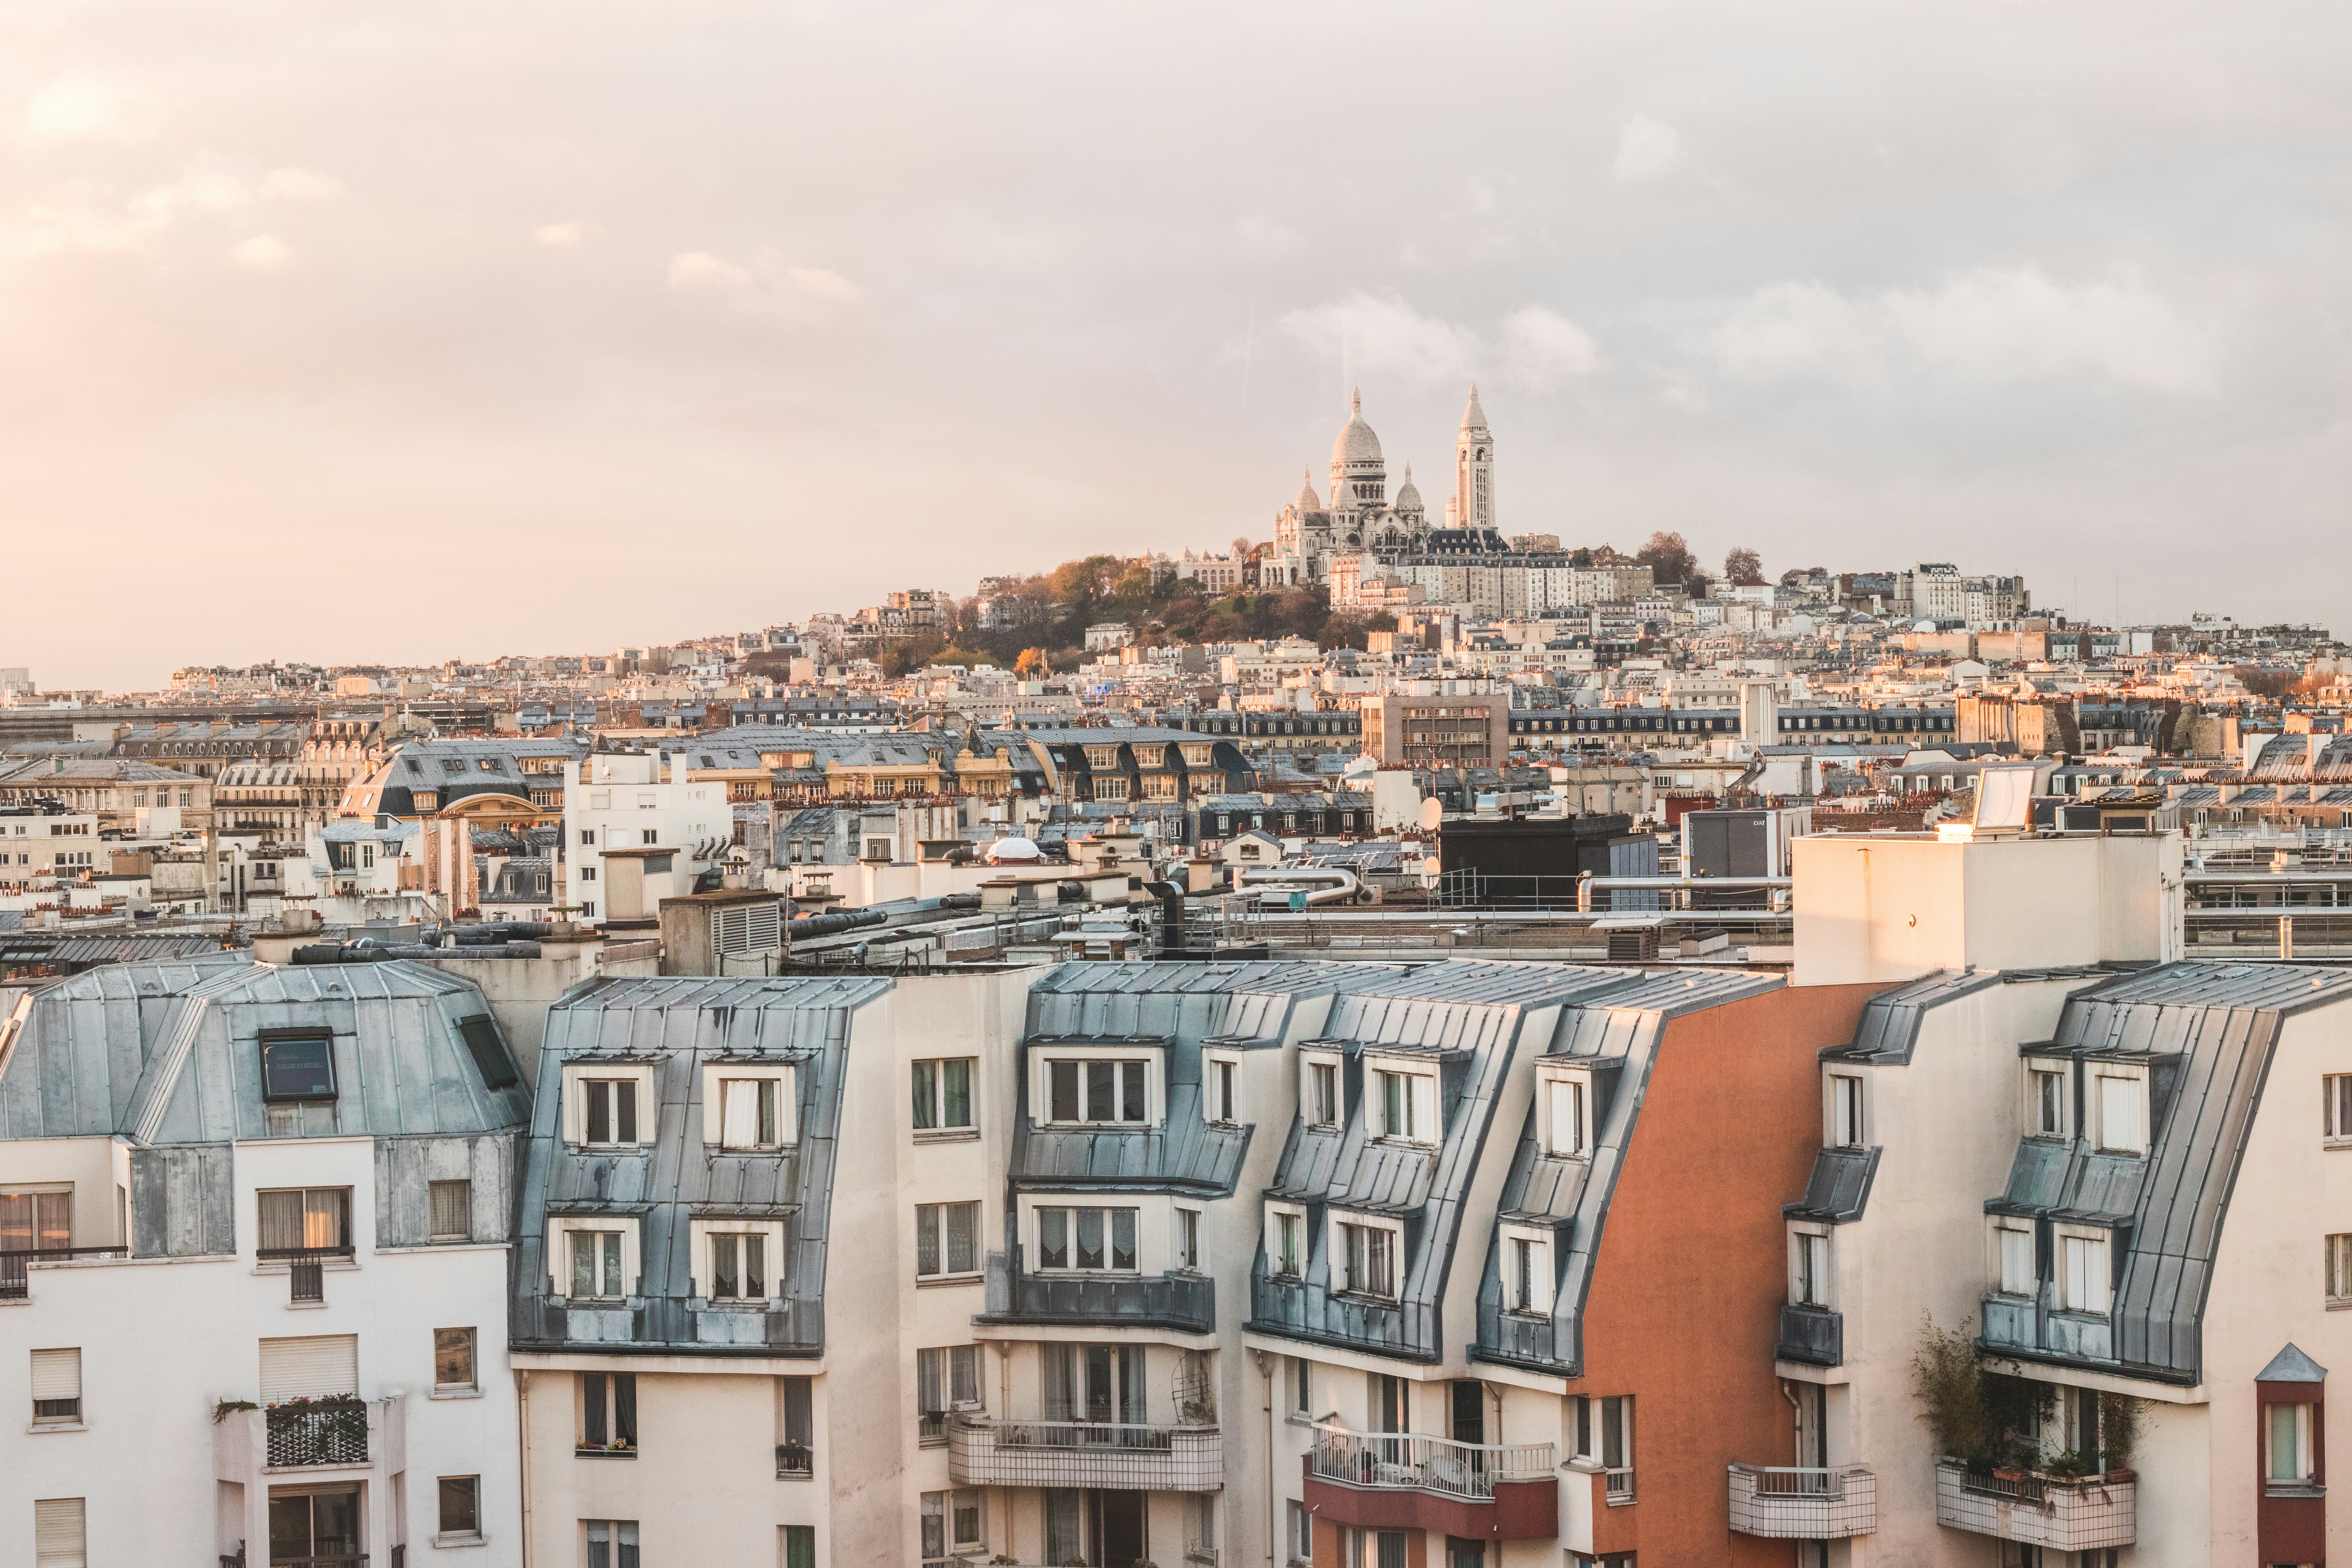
1743	568
1668	558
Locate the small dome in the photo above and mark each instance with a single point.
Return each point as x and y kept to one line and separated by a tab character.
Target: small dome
1013	850
1408	496
1308	500
1356	444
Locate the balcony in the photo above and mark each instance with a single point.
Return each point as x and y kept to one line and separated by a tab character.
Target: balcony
256	1446
1813	1335
305	1268
1127	1456
1377	1481
317	1432
2037	1511
15	1278
1288	1305
1810	1503
1185	1302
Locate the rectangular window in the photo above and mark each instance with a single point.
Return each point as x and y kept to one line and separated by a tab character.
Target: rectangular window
1368	1256
596	1265
613	1543
304	1219
2335	1099
1323	1093
296	1065
953	1523
2121	1128
2085	1280
611	1110
1288	1253
1188	1238
2339	1271
2047	1092
56	1387
1224	1090
947	1240
461	1507
2018	1276
1564	1116
2287	1428
738	1266
1302	1385
1809	1273
1088	1240
1845	1103
451	1206
608	1412
1408	1102
1528	1278
800	1546
452	1358
1616	1437
1110	1091
749	1113
945	1379
943	1094
60	1532
36	1221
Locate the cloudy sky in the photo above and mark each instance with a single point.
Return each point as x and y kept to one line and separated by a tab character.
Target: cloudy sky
339	331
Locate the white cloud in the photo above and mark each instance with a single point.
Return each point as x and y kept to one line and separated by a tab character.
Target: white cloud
263	253
1540	348
823	283
561	235
299	185
1382	334
700	269
46	230
1647	150
1992	324
766	286
73	107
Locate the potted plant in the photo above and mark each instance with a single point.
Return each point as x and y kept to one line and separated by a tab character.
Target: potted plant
2070	1466
2119	1423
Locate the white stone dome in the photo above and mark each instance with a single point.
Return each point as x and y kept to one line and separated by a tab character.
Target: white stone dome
1356	444
1408	496
1308	500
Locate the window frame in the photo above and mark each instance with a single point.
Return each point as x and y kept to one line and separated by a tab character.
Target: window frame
2336	1270
1041	1084
559	1254
472	1488
442	1238
1036	1226
702	1238
319	1035
943	1274
2002	1227
2065	1272
343	1208
1341	1249
473	1343
1813	1265
717	1075
55	1420
1185	1234
1550	1080
1220	1088
1847	1108
940	1128
2305	1467
2336	1110
1309	1064
2036	1070
1529	1292
1424	1093
578	1075
2133	1081
1295	1214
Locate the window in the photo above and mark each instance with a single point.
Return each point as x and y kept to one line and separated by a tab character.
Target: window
2339	1271
61	1534
307	1525
1188	1238
2286	1430
1302	1532
1097	1092
1322	1093
946	1379
608	1412
37	1220
1302	1385
1223	1089
2335	1099
2045	1102
738	1266
596	1265
1086	1240
2121	1121
56	1388
461	1508
611	1110
1809	1269
1286	1243
750	1113
943	1095
1371	1548
587	873
611	1544
1567	1115
1367	1260
951	1524
2018	1275
2086	1281
492	1059
452	1358
587	838
1527	1274
1604	1434
1846	1130
1408	1102
452	1211
305	1219
947	1240
650	836
296	1065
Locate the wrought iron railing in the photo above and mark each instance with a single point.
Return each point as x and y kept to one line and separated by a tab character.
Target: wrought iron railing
333	1431
1184	1301
1411	1461
2023	1488
1123	1455
795	1458
305	1268
14	1284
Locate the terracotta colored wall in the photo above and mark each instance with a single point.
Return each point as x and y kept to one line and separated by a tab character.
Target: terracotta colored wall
1693	1266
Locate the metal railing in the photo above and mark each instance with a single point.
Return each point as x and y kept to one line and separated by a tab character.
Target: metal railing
2027	1488
332	1431
1127	1455
1619	1483
305	1268
1183	1301
15	1266
336	1560
1791	1503
1409	1460
795	1458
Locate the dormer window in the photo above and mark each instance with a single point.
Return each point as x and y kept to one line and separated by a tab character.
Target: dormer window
749	1107
2084	1283
2046	1102
1319	1091
1565	1113
297	1065
1085	1087
1848	1127
1406	1106
2121	1098
607	1107
1527	1279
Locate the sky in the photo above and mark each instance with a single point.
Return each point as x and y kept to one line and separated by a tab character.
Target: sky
345	333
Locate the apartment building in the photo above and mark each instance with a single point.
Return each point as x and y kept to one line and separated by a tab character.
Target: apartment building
253	1263
637	830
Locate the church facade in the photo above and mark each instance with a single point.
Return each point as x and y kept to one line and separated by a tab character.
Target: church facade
1360	517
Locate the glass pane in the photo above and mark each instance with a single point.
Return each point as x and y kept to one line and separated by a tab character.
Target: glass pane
963	1368
2285	1463
963	1224
1122	1238
297	1069
1065	1107
610	1245
755	1266
1102	1095
1130	1080
1053	1238
323	1217
600	1112
335	1523
925	1087
624	1111
800	1546
956	1086
584	1263
1090	1238
460	1515
281	1220
290	1528
452	1206
452	1358
722	1266
927	1239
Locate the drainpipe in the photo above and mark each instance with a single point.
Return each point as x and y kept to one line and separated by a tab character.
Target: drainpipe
1265	1364
523	1439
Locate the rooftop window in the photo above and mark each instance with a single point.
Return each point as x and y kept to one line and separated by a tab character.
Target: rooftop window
298	1064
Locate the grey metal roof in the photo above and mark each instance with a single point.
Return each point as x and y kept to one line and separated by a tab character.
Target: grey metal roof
2291	1365
2205	1031
677	1025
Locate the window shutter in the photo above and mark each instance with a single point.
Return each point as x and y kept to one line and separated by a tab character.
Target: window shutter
308	1368
56	1374
60	1537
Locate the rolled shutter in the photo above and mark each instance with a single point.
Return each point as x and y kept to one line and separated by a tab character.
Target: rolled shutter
56	1374
313	1367
60	1537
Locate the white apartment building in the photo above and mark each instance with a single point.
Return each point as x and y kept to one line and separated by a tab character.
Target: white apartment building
253	1265
635	831
37	844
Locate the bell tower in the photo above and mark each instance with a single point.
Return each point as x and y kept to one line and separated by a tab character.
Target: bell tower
1473	470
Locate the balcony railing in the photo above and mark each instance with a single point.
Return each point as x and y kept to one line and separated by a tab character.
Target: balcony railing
1813	1335
318	1432
14	1265
305	1268
2060	1515
1123	1455
1412	1462
1184	1301
1803	1503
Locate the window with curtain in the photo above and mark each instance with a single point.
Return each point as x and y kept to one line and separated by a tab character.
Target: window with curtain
613	1543
596	1265
451	1211
947	1240
608	1411
750	1113
296	1219
1367	1254
1100	1383
1088	1240
36	1222
945	1377
800	1546
1065	1525
943	1094
738	1266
